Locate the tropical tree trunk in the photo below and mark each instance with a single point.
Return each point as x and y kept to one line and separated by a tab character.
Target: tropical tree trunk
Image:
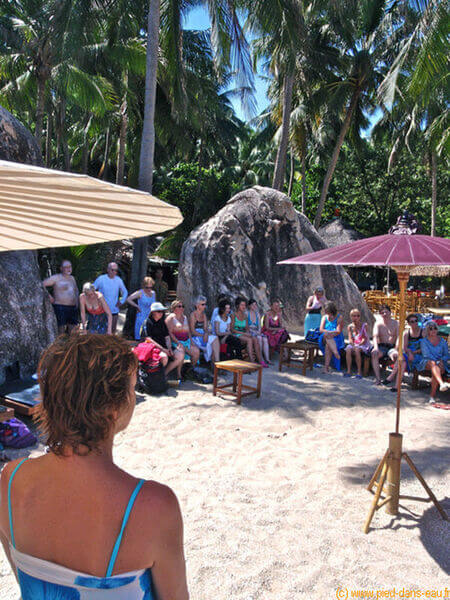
48	141
280	162
433	191
104	169
40	101
303	183
291	173
139	264
122	142
335	155
63	135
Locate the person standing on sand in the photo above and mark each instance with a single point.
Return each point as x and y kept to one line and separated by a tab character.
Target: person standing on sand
72	523
65	297
113	289
385	334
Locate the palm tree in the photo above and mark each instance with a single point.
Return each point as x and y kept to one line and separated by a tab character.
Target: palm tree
361	29
42	45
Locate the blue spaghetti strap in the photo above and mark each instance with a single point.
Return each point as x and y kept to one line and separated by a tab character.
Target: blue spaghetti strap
13	542
126	516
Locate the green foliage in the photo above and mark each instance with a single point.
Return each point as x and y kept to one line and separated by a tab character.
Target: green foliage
198	192
370	198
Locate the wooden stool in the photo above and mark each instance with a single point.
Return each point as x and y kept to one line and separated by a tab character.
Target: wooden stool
238	368
307	348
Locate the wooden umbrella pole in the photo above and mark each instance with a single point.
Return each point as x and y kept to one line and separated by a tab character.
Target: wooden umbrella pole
403	278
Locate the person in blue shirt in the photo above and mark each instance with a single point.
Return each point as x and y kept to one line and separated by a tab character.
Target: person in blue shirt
435	358
113	289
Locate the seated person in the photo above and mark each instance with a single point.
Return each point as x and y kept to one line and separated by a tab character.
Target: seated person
215	312
62	514
239	328
198	324
273	326
154	330
178	326
435	358
411	349
359	342
384	339
254	327
222	328
331	340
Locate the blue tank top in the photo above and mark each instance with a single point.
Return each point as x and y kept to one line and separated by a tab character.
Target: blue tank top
43	580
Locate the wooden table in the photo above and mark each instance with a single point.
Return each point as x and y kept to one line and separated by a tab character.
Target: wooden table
307	348
239	368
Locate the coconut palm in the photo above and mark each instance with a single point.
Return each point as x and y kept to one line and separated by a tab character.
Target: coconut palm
360	30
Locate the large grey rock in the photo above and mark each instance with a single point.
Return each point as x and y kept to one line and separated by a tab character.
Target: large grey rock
338	232
237	251
28	321
16	142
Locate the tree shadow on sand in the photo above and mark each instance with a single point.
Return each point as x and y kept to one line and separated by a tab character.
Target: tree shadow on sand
297	397
430	461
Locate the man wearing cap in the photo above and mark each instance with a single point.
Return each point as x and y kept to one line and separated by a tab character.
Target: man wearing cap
155	330
112	287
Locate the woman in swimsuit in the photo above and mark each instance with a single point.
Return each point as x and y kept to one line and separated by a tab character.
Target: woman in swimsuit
240	328
198	324
100	317
331	340
73	524
412	353
180	334
359	342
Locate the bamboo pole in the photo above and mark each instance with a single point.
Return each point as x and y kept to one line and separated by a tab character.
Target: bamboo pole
393	471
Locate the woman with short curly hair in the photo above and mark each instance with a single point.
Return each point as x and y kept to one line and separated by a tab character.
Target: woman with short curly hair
72	523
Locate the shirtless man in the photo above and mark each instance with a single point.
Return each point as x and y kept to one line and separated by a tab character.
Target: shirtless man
385	334
65	297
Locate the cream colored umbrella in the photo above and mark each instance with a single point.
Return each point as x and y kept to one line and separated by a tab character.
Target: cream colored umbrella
43	208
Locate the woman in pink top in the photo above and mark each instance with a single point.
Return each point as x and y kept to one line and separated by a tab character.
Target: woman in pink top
358	342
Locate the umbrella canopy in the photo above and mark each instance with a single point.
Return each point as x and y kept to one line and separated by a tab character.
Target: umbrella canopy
43	208
383	250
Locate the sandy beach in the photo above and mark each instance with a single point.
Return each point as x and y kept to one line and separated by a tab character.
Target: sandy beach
273	492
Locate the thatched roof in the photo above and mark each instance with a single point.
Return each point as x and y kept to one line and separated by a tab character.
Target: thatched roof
338	232
430	271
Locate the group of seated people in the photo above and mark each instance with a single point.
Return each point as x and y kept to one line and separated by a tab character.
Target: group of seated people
229	332
423	348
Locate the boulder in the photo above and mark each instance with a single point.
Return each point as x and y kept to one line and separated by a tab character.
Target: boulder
16	142
338	232
28	321
236	252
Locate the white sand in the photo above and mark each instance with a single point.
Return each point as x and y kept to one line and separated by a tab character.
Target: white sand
273	491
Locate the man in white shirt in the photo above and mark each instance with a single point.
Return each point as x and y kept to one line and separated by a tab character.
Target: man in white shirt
112	288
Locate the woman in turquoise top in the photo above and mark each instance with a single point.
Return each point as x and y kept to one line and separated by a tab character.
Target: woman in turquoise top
74	525
239	328
435	358
331	340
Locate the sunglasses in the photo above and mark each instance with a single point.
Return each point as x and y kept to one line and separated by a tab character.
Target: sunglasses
202	303
413	321
432	327
148	287
179	306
